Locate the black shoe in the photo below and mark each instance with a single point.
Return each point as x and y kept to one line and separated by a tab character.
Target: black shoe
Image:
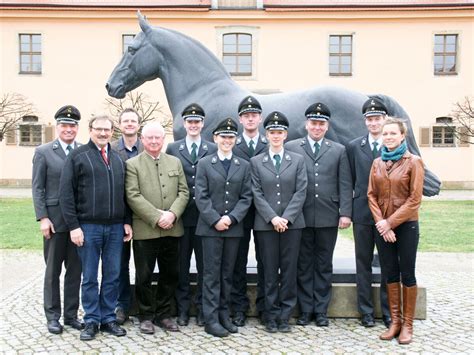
183	319
387	321
368	320
54	327
261	318
322	320
304	319
216	329
239	319
89	332
284	327
74	323
113	328
200	318
271	326
227	324
120	315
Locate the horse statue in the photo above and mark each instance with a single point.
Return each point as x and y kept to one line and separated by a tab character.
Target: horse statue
192	73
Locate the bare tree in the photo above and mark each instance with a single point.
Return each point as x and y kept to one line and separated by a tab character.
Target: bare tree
463	120
13	107
148	110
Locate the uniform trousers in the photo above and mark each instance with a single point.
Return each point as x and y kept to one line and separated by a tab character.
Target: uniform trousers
279	253
365	236
219	255
165	251
399	258
57	250
187	243
315	269
125	295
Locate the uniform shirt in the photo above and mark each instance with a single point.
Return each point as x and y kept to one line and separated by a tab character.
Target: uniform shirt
372	140
280	153
189	143
247	139
64	146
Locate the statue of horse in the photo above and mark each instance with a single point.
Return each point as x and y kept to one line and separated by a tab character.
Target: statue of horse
191	73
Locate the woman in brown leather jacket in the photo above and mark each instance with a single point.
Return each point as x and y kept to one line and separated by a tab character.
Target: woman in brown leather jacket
394	192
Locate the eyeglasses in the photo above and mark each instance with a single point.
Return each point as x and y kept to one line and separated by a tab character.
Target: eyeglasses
105	130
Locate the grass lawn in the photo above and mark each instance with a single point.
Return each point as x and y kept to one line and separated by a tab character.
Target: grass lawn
445	226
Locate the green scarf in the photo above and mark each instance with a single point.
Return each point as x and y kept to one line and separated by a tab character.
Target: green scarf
394	155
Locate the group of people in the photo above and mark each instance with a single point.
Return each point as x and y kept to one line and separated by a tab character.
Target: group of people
209	198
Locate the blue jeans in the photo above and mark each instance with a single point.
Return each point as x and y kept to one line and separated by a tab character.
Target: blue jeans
125	295
106	242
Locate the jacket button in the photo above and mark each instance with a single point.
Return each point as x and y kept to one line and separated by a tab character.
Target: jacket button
194	187
192	166
314	174
316	184
192	177
226	211
227	202
194	198
316	195
227	183
278	185
278	194
316	164
278	202
227	192
278	176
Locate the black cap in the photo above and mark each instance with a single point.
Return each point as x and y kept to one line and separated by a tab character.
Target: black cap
276	121
227	127
374	107
249	104
318	112
68	114
193	112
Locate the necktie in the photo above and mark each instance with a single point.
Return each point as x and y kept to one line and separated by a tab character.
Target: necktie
277	162
68	149
375	151
316	149
251	148
104	155
226	164
193	152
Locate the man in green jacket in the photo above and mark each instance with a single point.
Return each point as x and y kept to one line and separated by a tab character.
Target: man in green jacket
157	193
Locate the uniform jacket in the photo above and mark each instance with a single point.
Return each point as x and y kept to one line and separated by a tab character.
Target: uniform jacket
329	193
154	185
48	163
241	150
92	191
278	194
219	194
395	195
121	150
359	153
180	151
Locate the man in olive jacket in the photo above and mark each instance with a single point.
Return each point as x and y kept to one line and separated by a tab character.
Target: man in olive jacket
157	193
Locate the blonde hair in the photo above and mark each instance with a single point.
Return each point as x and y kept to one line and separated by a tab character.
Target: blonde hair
399	122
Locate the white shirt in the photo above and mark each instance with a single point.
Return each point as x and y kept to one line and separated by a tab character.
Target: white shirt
189	143
247	139
312	141
64	146
222	156
272	154
372	140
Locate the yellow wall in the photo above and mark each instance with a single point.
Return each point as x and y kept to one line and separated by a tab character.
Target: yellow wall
392	54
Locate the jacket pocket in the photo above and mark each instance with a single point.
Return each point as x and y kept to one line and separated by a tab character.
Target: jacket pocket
172	173
52	201
335	198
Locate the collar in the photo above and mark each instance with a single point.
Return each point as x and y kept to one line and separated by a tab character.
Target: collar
280	153
100	149
247	139
189	142
372	140
121	144
222	156
152	157
311	141
64	145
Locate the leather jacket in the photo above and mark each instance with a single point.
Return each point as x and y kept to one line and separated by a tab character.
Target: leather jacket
395	192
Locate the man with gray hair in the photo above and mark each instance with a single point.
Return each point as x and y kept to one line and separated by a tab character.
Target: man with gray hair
157	193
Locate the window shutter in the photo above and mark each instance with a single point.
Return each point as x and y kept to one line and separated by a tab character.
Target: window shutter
463	137
425	138
48	134
10	137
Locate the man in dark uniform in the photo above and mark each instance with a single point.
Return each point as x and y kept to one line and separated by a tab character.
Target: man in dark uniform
189	151
128	146
58	248
361	153
328	206
249	144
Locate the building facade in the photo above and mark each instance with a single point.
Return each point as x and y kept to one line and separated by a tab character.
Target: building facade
419	52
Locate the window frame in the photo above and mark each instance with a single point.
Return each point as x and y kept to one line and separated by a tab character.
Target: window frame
445	54
30	53
341	54
124	49
237	54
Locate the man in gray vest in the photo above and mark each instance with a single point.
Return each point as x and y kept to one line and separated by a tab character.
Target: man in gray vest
58	248
361	153
190	150
128	146
328	206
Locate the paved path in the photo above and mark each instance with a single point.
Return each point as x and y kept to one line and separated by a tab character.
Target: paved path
448	329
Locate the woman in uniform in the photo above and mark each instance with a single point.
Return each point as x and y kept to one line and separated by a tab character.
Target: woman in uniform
279	188
223	196
394	192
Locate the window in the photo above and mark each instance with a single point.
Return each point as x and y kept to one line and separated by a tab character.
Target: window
30	131
445	50
443	136
30	53
237	53
126	40
340	55
444	133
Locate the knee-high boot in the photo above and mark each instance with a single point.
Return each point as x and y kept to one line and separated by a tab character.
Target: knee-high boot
394	303
409	305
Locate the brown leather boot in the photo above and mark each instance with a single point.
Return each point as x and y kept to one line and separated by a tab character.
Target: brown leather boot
394	298
409	305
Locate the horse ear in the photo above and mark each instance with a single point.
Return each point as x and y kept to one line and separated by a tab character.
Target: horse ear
144	25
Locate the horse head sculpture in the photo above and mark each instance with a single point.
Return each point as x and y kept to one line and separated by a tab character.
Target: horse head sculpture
192	73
